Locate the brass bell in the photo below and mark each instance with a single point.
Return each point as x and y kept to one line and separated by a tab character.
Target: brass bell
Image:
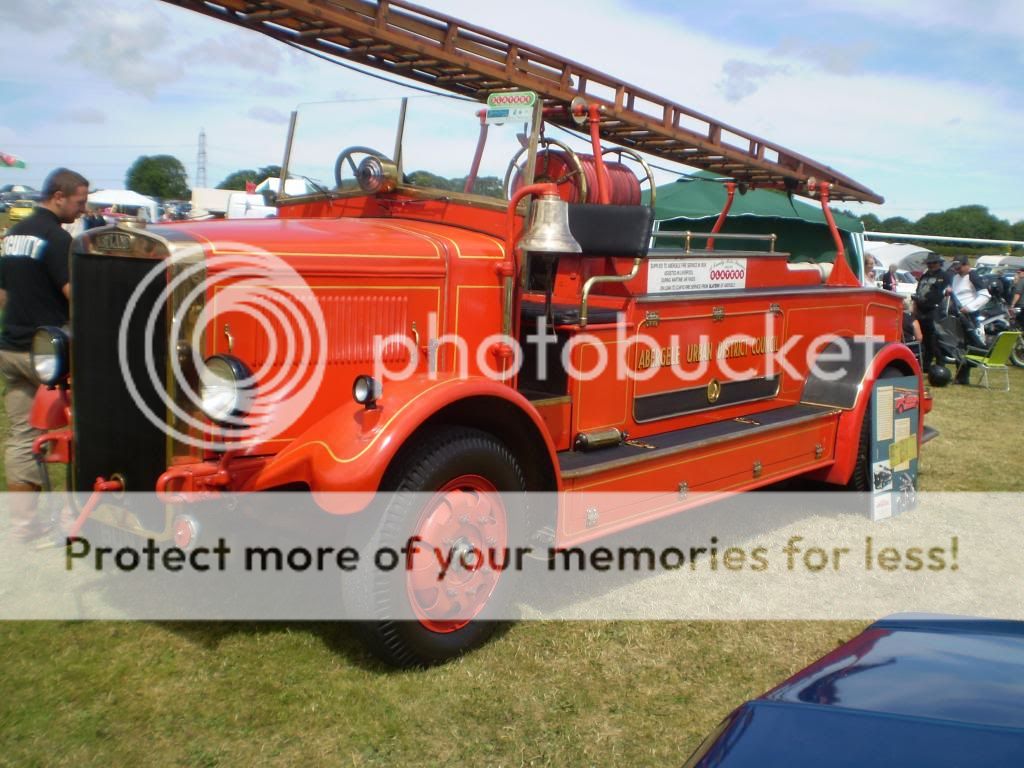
549	228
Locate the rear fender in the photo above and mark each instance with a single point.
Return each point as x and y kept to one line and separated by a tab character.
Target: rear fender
851	392
351	448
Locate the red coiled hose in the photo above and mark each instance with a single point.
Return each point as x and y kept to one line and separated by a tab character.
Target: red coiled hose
553	165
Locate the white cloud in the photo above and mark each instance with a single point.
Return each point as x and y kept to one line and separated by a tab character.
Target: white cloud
268	115
85	115
126	47
39	16
742	78
835	57
251	52
1000	18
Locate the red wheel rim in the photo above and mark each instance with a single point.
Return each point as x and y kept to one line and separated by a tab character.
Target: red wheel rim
463	538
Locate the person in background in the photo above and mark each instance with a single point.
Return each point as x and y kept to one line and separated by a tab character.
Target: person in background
928	296
889	278
971	295
869	271
911	325
1016	307
34	291
912	334
95	219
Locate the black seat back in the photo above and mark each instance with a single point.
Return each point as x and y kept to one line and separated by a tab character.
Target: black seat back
612	230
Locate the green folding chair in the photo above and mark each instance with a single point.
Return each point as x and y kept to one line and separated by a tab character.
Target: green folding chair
995	360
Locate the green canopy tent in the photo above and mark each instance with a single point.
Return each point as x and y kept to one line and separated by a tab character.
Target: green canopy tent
694	204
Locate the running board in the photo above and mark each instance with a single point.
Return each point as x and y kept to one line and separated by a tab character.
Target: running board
577	464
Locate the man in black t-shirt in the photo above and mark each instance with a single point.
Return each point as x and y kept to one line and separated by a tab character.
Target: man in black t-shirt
931	290
34	291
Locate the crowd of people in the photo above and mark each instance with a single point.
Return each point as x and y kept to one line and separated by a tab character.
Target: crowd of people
939	292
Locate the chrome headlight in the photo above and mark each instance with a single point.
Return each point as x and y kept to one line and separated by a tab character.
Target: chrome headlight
225	389
366	390
50	355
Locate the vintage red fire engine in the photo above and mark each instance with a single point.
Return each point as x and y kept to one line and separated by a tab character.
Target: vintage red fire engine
464	322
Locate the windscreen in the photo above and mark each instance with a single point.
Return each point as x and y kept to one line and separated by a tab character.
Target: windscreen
435	142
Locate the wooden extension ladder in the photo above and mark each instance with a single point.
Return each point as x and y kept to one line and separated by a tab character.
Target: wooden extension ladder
410	41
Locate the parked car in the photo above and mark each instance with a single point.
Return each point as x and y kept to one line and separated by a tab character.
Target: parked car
19	210
933	691
11	192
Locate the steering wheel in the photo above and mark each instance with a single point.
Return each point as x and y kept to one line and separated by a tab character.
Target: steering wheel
542	175
347	154
648	173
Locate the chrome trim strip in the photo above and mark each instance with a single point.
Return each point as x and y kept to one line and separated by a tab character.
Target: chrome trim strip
660	453
660	298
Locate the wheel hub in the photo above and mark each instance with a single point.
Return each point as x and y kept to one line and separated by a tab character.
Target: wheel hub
463	535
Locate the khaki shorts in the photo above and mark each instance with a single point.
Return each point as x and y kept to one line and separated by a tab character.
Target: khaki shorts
16	369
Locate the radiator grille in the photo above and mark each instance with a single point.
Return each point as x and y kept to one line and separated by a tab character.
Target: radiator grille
112	435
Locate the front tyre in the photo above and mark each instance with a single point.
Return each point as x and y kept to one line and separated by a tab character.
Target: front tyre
450	498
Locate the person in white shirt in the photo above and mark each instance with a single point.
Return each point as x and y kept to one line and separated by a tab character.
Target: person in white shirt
868	280
971	295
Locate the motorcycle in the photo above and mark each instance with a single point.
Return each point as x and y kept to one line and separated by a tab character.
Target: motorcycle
954	340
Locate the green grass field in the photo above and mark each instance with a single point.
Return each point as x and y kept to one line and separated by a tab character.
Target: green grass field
542	693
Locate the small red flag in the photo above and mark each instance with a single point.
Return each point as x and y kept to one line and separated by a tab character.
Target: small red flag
250	187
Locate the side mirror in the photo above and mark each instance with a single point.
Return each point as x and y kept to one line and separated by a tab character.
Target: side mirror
269	197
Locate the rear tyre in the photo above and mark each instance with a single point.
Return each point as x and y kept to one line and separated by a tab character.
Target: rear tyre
455	490
860	480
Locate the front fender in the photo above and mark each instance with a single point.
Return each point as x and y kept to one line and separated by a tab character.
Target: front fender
852	393
49	409
343	457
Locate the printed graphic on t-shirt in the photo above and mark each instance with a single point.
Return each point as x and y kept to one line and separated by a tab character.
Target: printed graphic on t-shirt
23	246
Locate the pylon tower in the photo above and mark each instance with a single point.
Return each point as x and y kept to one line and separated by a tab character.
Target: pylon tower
201	160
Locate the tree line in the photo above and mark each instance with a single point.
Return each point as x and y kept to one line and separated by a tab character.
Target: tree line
962	221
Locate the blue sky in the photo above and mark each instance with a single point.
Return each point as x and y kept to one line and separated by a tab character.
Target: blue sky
923	102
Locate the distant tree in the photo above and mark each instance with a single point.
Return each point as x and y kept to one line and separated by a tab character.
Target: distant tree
871	222
964	221
489	186
238	179
1017	230
432	180
896	224
158	176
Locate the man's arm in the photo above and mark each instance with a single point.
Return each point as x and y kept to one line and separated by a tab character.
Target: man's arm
66	290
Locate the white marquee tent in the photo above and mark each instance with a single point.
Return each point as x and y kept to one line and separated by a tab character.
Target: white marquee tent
125	200
903	255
